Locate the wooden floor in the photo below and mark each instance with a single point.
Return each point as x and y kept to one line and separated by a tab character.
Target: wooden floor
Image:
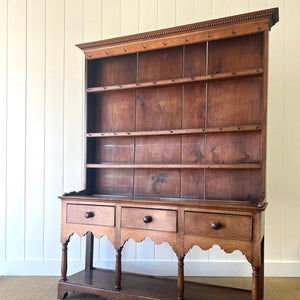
45	288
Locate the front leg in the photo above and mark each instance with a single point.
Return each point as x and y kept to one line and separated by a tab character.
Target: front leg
180	278
64	260
255	283
262	263
118	270
61	292
89	251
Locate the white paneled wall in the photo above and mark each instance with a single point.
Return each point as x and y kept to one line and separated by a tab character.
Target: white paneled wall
41	131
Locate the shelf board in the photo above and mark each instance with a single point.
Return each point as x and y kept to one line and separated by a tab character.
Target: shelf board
234	204
175	166
177	131
137	286
186	80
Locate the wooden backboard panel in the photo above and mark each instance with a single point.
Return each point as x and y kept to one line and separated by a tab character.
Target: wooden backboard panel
234	102
160	64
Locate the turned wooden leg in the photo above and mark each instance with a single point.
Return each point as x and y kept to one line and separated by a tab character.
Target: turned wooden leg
118	270
64	261
180	279
255	283
89	251
262	269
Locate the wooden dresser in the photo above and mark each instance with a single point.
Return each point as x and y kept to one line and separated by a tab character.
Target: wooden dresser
175	144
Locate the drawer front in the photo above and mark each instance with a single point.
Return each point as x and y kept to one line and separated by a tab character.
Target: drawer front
218	225
91	214
152	219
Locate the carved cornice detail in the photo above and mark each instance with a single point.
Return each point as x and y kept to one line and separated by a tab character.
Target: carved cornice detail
272	13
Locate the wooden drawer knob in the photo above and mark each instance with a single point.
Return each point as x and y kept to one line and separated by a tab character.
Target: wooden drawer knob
89	214
147	219
215	225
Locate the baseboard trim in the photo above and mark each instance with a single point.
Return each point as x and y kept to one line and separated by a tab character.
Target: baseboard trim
163	268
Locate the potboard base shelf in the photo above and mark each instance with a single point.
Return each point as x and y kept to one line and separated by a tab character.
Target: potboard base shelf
136	286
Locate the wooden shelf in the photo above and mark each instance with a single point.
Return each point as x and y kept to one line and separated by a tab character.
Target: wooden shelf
175	166
255	204
177	131
137	286
204	79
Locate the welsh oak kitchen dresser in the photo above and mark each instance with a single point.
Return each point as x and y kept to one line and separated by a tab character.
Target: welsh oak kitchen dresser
175	144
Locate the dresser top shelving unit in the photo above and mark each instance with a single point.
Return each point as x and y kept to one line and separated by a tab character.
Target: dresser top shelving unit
180	113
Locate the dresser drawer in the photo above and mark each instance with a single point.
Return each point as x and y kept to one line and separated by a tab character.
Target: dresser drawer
152	219
218	225
91	214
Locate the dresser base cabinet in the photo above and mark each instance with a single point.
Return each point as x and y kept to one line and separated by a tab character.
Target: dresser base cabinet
175	150
187	225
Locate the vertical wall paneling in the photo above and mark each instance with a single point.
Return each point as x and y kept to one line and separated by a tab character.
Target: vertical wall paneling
221	8
203	10
145	250
239	6
147	15
16	122
275	159
291	141
184	12
258	4
73	97
129	17
166	13
111	18
107	251
54	130
163	252
217	254
3	103
34	177
92	12
197	254
129	250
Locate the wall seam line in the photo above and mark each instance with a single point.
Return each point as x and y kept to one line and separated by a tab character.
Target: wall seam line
44	141
25	130
6	139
